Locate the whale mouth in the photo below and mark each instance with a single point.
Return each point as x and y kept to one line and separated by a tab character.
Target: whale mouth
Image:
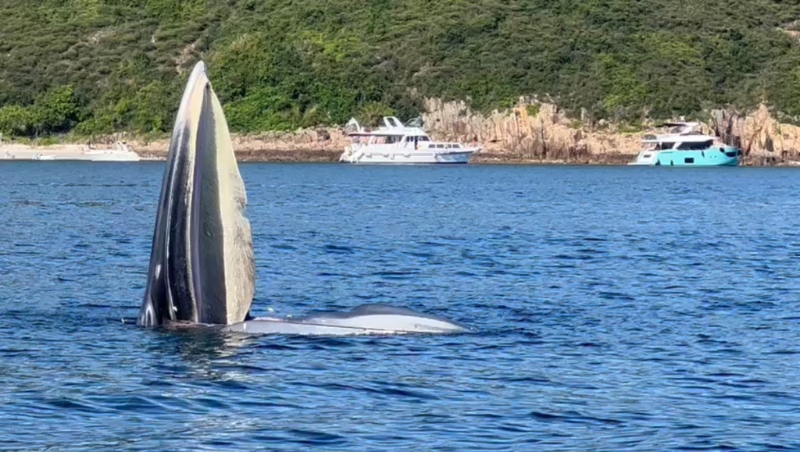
202	268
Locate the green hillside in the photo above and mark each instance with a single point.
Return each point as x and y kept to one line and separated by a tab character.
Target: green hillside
98	66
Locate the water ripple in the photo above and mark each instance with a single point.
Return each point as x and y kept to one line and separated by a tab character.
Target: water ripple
615	309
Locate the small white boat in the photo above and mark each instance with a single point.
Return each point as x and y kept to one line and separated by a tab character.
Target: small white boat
44	157
395	143
121	153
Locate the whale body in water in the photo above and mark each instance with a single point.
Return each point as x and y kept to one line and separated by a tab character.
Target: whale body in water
202	265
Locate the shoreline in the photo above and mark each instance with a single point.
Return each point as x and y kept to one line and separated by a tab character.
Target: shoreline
77	153
157	152
332	157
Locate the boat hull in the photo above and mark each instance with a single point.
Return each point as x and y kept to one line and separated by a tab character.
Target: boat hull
408	158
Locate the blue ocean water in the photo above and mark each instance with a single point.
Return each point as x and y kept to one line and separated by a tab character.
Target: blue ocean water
615	308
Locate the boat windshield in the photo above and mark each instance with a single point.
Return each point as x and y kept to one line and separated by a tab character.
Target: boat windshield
696	145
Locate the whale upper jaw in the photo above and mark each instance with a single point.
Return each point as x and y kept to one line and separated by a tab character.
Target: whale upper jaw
201	265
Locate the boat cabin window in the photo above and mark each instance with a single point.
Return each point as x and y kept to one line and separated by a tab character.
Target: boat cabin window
696	145
665	145
392	139
411	139
688	160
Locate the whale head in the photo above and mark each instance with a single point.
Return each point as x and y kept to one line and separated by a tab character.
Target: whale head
202	268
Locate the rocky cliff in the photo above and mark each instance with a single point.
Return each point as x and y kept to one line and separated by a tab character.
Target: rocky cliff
763	139
530	131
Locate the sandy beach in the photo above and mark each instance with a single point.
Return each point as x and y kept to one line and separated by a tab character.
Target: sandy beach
118	152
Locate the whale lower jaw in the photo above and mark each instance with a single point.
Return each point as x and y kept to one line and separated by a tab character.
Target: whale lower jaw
364	320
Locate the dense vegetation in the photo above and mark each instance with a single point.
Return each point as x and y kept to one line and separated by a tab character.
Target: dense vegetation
98	66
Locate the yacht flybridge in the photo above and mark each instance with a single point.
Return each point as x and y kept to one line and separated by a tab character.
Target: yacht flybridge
683	146
396	143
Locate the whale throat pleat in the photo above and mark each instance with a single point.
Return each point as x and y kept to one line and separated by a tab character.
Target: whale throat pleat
240	266
221	235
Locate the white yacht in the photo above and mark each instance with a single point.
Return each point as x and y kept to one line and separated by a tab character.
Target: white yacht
396	143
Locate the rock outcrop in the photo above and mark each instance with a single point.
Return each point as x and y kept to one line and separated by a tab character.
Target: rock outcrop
531	131
763	139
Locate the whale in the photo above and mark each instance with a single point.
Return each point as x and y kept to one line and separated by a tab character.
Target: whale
202	263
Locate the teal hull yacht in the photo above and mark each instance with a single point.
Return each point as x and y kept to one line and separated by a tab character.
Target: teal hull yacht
683	146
